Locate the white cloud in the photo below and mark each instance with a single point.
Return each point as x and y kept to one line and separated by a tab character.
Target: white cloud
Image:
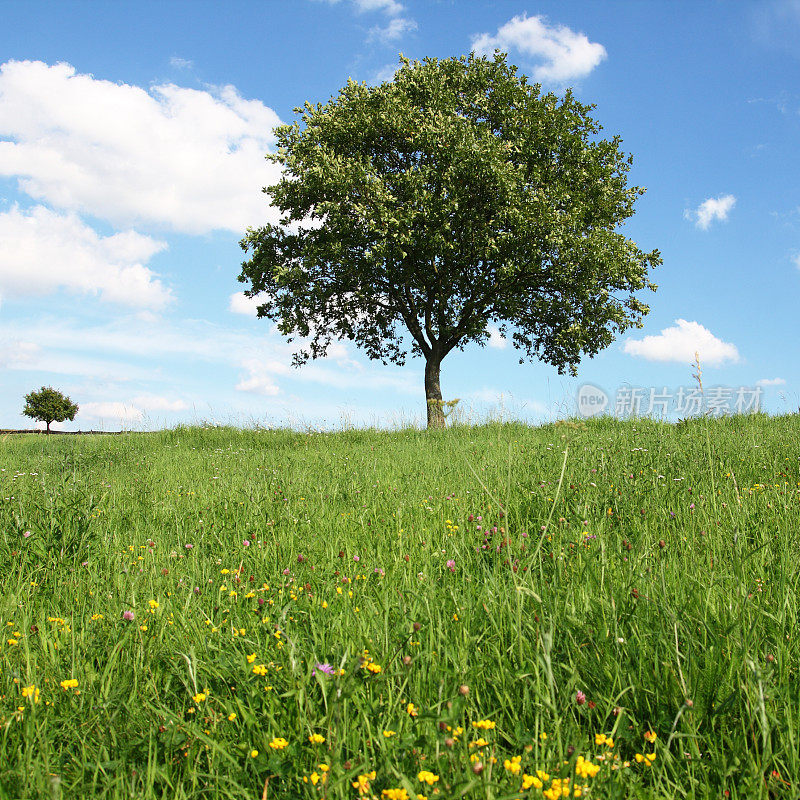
241	304
680	343
711	209
101	351
385	73
17	353
181	63
565	55
259	377
347	373
111	411
134	410
771	382
155	403
182	158
42	251
796	260
392	31
391	7
496	339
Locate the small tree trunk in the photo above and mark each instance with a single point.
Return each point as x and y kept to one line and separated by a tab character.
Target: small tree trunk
48	425
433	393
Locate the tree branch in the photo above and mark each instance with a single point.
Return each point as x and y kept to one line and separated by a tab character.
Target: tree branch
409	315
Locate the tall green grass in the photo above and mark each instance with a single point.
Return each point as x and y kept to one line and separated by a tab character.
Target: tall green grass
650	567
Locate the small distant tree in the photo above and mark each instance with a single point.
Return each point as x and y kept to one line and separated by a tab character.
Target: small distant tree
49	405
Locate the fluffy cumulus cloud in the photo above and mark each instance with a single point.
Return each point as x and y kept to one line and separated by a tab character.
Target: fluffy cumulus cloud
239	303
259	376
41	251
184	159
563	54
680	343
715	208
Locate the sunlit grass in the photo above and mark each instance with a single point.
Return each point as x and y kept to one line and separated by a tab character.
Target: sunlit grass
217	592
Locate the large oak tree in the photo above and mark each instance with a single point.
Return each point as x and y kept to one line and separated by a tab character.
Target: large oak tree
453	196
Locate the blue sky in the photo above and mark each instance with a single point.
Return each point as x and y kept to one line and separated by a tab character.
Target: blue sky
131	161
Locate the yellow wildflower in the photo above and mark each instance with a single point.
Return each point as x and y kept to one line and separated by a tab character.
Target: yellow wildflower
361	783
316	738
278	743
427	777
70	683
530	780
586	769
513	766
31	692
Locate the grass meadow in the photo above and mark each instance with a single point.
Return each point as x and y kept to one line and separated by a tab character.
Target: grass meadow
604	609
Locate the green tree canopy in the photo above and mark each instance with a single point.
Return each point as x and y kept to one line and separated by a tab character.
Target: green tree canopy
453	196
49	405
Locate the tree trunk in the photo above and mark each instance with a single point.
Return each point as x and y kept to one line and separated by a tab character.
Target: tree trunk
433	393
48	425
